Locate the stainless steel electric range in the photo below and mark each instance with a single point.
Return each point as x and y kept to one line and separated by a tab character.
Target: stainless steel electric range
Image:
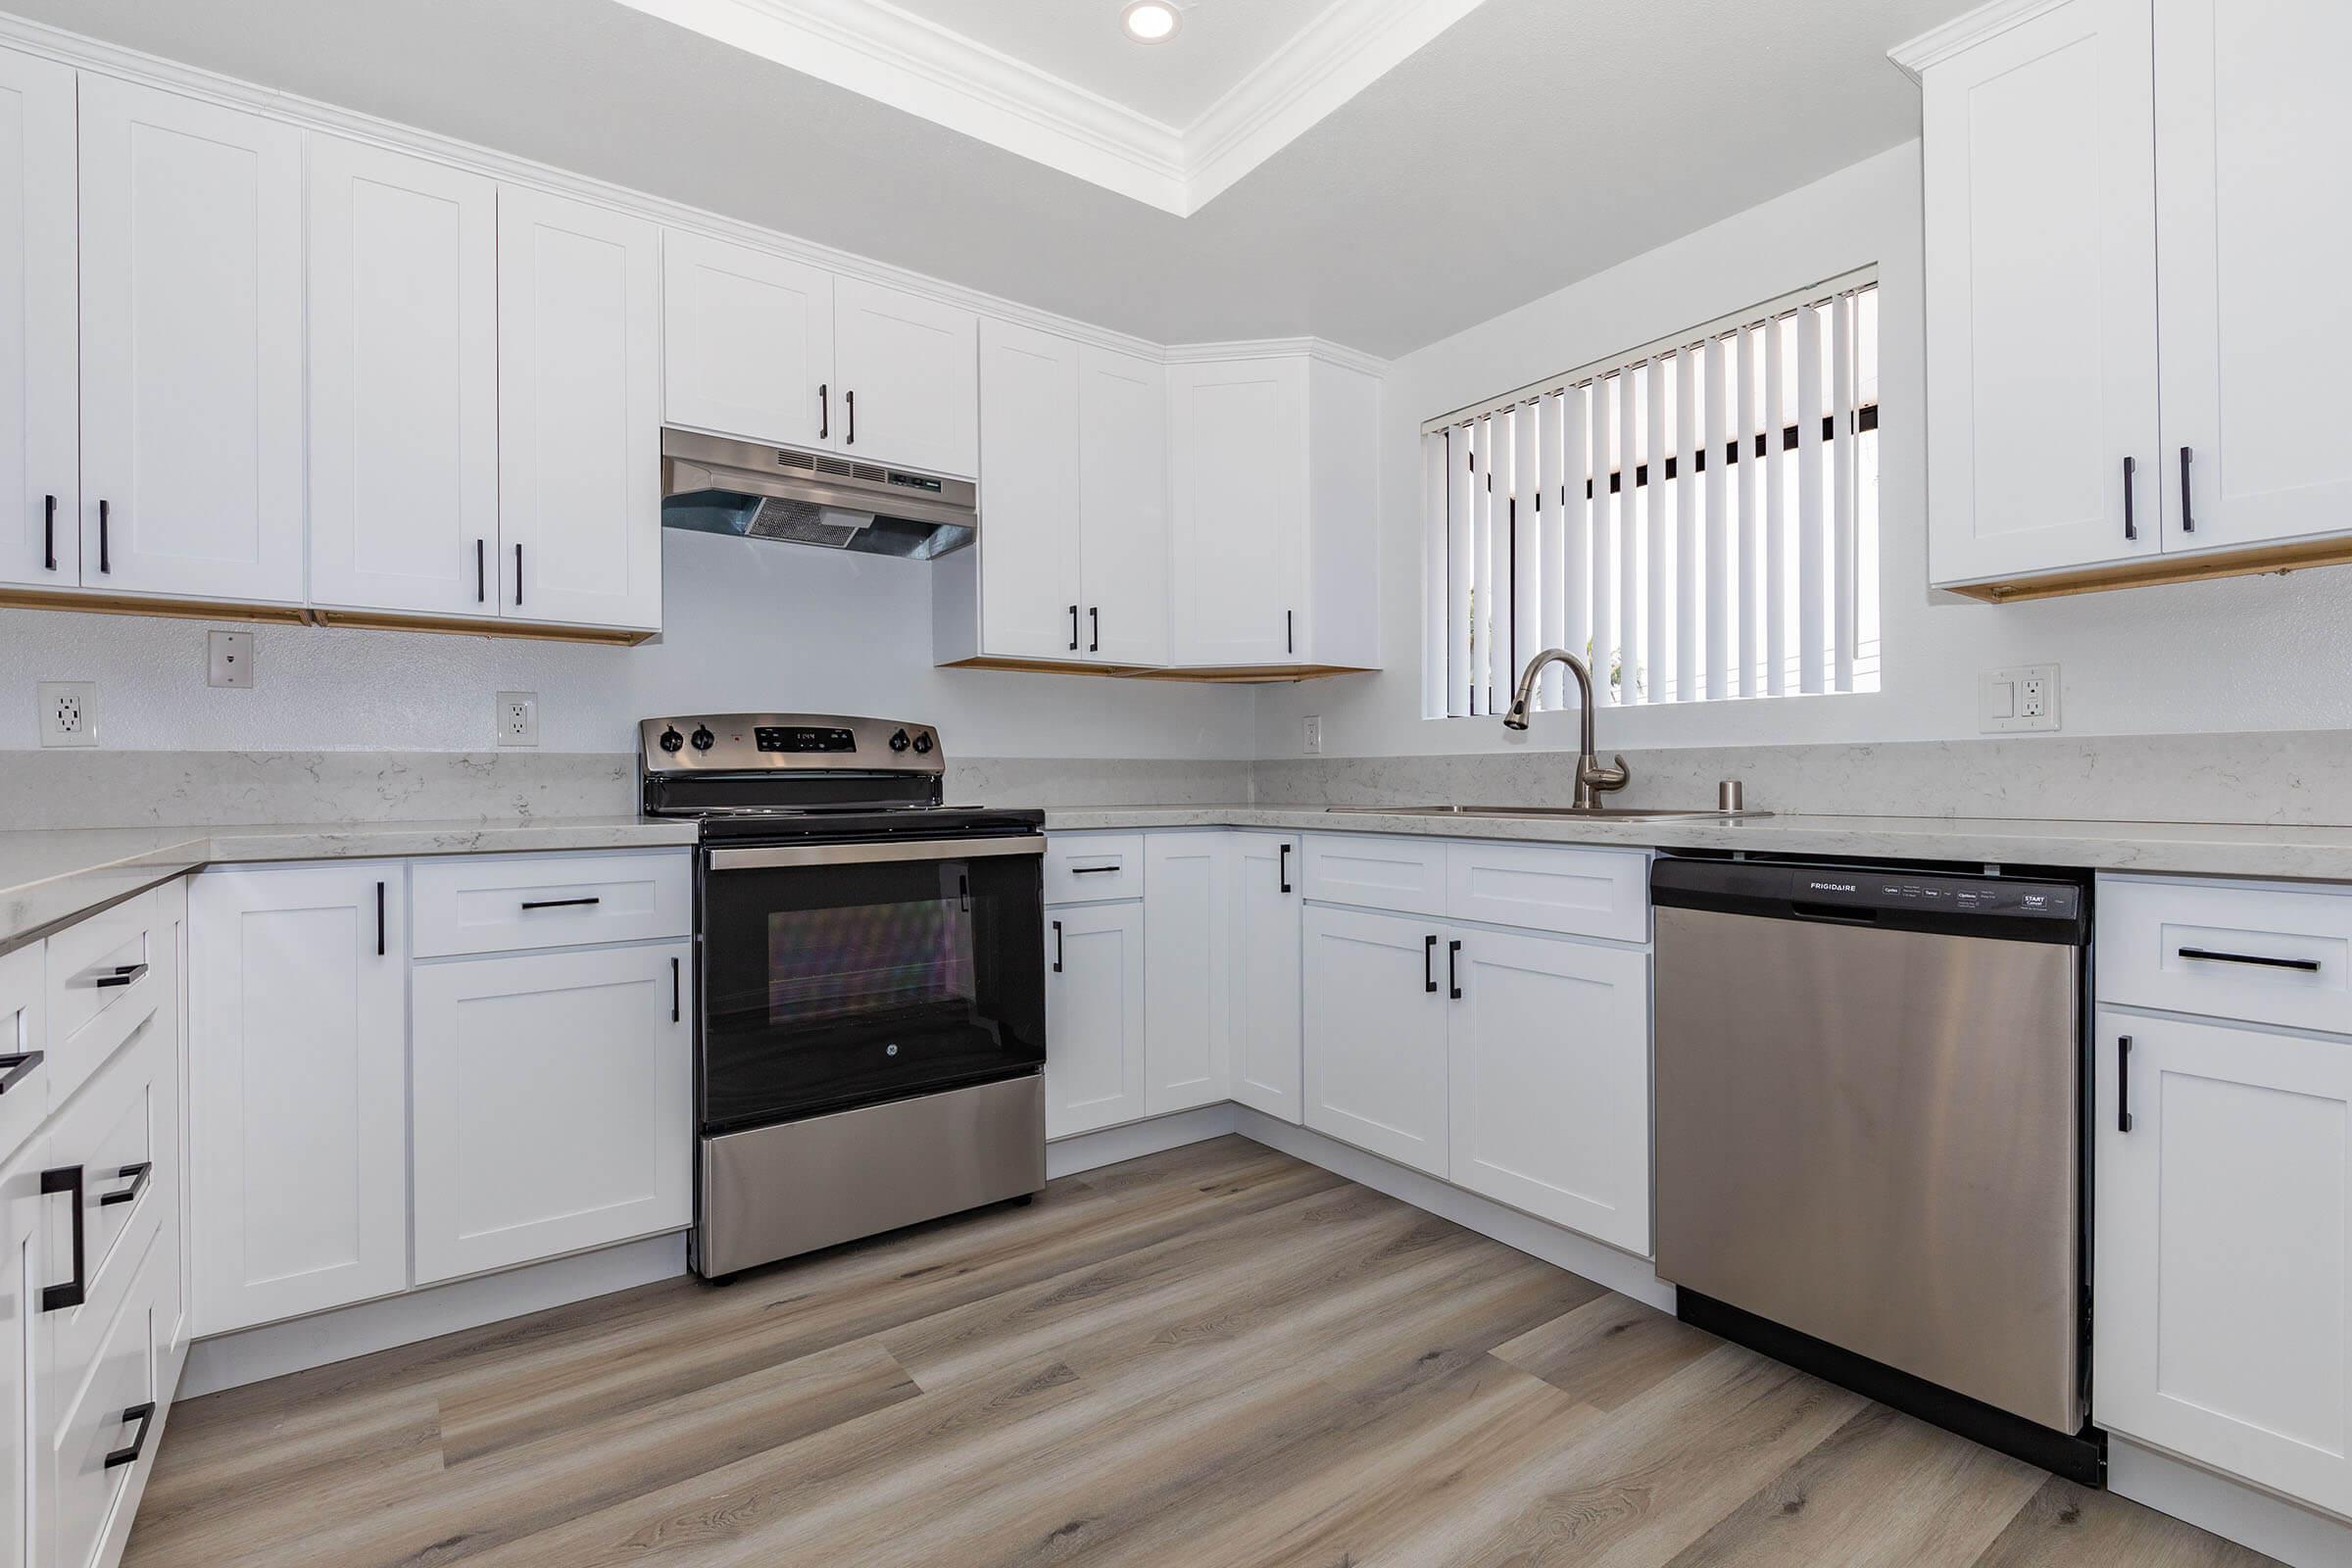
872	975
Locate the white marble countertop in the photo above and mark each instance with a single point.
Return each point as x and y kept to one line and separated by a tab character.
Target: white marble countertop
2186	847
51	876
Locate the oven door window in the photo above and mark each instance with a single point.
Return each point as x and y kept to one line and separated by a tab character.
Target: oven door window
839	985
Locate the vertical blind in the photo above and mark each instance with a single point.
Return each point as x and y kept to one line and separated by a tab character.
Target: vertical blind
1698	518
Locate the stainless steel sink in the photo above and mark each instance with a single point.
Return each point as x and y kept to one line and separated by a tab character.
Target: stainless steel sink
1586	813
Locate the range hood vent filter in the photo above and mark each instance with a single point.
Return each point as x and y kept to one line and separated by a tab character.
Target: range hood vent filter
710	484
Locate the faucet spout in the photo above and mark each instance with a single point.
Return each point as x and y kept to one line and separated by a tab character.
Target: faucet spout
1592	778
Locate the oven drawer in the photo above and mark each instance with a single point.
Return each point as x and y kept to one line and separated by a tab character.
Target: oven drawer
496	904
2265	955
1094	867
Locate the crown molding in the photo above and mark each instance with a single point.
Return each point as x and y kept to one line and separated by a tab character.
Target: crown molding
1259	348
910	63
1965	32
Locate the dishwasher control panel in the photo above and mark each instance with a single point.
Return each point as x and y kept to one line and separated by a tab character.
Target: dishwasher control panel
2030	908
1878	890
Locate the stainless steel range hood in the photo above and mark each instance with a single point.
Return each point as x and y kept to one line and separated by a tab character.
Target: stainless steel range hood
714	485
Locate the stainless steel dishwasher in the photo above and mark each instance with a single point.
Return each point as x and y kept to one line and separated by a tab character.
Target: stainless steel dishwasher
1870	1135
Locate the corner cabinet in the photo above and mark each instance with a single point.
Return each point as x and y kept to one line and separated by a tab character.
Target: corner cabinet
2120	386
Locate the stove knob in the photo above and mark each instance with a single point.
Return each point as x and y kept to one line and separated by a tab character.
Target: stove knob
673	742
899	742
704	740
922	744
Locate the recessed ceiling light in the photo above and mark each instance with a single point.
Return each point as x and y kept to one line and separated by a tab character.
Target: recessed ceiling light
1151	21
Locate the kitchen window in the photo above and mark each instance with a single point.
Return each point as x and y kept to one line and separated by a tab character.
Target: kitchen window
1698	518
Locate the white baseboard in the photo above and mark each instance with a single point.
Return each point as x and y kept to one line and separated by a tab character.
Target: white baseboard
1068	1157
2234	1511
230	1360
1596	1261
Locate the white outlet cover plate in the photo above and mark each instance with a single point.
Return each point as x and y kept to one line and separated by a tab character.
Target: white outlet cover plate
228	659
2004	697
68	712
1312	739
517	719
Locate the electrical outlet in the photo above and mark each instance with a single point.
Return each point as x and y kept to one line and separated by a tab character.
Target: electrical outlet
228	659
2012	701
517	719
1313	739
68	712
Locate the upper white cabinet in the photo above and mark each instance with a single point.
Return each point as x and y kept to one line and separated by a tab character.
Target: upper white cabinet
579	452
191	348
747	342
403	382
40	455
908	373
1275	538
1123	506
2250	111
2125	277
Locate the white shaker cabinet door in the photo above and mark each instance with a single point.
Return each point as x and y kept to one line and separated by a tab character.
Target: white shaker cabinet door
910	375
747	343
2040	213
404	382
298	1090
1123	506
580	396
1238	560
24	1265
40	454
1030	573
191	348
1188	883
1375	1000
2223	1249
2253	126
1094	1016
1262	948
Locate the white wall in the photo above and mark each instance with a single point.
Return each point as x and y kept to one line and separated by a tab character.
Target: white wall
2259	653
751	627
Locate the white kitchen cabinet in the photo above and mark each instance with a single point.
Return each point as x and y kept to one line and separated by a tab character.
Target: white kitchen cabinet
1031	581
908	375
2250	109
579	454
24	1046
1263	965
1375	1037
403	382
1548	1080
2223	1270
298	1090
192	346
40	451
24	1261
1187	970
747	342
553	1104
1094	1016
1123	506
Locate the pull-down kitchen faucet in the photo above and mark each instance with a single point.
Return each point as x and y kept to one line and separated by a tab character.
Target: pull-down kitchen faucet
1591	777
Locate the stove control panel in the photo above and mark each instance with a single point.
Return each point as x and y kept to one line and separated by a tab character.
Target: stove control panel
751	743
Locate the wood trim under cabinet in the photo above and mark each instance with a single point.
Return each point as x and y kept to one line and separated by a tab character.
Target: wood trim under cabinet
310	616
2292	556
1213	675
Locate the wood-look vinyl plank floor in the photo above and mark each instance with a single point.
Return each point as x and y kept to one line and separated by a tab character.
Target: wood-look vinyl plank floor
1216	1357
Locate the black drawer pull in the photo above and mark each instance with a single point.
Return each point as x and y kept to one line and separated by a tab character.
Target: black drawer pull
558	904
2123	1084
66	1179
129	974
2257	959
138	1175
1094	870
144	1414
18	1066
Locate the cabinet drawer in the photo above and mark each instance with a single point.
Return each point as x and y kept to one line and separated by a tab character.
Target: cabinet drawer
111	1387
1407	875
1093	868
2266	954
104	975
114	1133
554	901
23	999
1540	887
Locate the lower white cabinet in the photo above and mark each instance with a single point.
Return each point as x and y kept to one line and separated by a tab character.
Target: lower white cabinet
552	1103
1094	1016
2223	1248
22	1263
1188	883
1375	1002
297	1068
1263	965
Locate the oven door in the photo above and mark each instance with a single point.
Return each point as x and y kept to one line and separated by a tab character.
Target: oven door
846	974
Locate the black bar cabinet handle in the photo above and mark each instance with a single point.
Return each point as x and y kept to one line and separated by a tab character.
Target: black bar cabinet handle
2131	484
49	532
2188	506
105	522
1454	978
1429	963
144	1414
1286	866
17	1065
824	411
2123	1083
1058	947
676	989
518	576
850	399
1073	629
1094	870
1290	640
379	919
126	974
2260	960
66	1179
138	1175
1094	616
558	904
481	572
